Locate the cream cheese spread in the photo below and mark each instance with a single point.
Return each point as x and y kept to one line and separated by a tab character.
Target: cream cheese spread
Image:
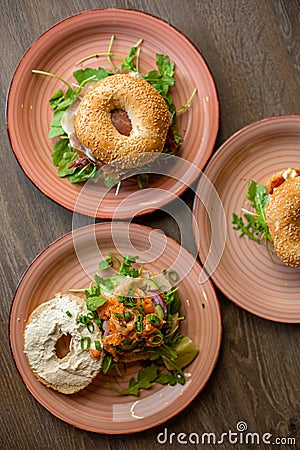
289	174
48	322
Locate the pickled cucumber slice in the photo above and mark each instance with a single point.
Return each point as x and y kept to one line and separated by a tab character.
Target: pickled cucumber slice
186	351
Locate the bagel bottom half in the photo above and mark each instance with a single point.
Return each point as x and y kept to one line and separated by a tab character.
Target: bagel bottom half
46	325
283	219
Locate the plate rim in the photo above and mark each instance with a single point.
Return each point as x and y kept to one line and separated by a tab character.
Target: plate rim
136	429
211	162
181	189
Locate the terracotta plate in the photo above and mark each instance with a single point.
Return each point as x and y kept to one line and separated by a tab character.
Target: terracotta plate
245	273
57	51
59	268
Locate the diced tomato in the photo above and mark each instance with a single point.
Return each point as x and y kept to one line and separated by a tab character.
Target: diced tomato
276	183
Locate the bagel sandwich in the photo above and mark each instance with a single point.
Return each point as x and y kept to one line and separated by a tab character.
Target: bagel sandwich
275	215
115	122
282	213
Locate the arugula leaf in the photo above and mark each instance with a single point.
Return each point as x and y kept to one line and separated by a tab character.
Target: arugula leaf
144	380
176	135
128	63
108	363
55	125
172	301
63	166
170	378
259	197
93	302
175	304
127	259
56	99
164	78
109	182
164	351
247	228
59	148
86	173
104	282
254	225
82	75
105	263
55	131
64	104
126	267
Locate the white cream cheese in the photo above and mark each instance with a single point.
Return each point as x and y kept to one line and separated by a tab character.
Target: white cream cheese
48	322
289	174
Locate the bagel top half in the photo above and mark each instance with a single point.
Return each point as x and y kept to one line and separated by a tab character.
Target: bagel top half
147	111
47	324
283	219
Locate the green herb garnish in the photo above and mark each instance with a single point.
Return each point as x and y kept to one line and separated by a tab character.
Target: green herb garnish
98	345
253	224
144	381
153	319
85	343
94	302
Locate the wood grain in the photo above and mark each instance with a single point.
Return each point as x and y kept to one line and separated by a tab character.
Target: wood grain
253	51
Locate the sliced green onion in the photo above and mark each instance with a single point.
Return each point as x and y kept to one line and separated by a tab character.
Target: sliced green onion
97	345
157	339
153	319
139	324
85	343
173	275
90	326
119	316
69	314
127	315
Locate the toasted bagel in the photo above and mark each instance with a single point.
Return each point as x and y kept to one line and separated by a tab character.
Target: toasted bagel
45	326
148	113
283	219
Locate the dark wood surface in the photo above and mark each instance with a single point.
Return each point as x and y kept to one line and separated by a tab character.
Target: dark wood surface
253	51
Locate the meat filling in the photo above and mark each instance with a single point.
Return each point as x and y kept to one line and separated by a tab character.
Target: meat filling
121	121
278	182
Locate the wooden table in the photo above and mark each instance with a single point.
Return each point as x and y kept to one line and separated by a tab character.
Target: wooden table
253	51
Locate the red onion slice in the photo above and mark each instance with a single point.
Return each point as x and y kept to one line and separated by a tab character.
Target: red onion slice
157	299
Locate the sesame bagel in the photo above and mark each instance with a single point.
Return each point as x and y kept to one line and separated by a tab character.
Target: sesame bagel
283	219
146	110
46	325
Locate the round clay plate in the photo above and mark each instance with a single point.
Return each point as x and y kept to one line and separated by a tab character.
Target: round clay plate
59	268
57	51
245	273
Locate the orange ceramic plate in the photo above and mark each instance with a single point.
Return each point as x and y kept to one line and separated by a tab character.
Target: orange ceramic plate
56	51
245	273
98	407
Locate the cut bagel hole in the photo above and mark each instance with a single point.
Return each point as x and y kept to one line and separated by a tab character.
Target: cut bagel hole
62	346
121	121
